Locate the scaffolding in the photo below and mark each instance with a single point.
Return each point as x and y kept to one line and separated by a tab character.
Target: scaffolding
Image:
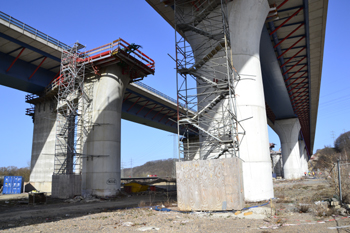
73	104
206	81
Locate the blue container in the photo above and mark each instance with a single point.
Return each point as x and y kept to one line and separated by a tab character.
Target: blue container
12	185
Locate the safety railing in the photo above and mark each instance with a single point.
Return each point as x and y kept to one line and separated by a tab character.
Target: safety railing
31	97
115	47
157	92
32	30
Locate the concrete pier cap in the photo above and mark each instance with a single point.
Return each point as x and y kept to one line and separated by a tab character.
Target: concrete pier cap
288	131
246	20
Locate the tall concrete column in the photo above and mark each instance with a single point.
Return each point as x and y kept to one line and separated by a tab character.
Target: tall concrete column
43	149
303	156
246	20
101	163
288	131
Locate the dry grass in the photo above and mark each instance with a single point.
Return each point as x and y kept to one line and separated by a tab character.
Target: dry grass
303	208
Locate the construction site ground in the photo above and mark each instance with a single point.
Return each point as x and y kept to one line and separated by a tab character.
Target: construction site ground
132	213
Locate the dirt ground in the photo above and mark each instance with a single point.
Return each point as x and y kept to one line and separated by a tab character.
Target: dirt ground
134	214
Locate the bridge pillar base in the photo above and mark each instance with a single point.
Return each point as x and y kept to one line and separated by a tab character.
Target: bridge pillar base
288	131
43	147
101	161
303	157
245	33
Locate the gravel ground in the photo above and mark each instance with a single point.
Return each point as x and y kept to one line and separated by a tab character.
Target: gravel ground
134	220
111	216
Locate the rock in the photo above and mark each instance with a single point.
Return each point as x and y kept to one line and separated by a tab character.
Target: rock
128	224
342	211
334	203
147	228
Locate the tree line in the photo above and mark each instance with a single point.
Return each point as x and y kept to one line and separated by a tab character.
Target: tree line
15	171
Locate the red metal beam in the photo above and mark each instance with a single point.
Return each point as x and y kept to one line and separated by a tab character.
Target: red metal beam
37	68
150	110
285	38
157	113
290	17
301	106
294	73
294	66
15	59
297	79
133	104
164	116
299	93
297	86
293	57
301	99
290	47
170	117
127	97
280	5
142	107
56	76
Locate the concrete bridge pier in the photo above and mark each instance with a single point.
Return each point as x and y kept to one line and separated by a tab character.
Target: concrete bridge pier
288	131
246	20
101	162
43	149
303	156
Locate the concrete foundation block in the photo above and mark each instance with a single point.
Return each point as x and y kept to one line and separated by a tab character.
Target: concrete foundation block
210	185
66	186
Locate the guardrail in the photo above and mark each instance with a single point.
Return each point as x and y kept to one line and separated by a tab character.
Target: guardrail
32	30
157	92
113	48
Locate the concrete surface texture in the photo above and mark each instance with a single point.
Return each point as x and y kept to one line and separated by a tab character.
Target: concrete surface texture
43	149
277	164
210	185
303	157
101	163
246	20
245	32
288	131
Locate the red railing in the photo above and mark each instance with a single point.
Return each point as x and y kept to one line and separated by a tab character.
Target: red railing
105	51
110	48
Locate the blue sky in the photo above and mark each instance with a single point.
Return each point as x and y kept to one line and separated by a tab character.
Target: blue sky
97	23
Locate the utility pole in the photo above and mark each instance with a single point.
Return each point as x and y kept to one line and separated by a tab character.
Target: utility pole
333	136
174	154
122	168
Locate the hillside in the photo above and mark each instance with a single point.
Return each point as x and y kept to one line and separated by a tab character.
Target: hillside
161	168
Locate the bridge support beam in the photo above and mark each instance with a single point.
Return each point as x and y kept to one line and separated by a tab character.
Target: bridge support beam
288	131
245	33
101	162
43	149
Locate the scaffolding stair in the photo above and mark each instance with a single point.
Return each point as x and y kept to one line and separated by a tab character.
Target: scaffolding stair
188	27
218	47
205	12
211	105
